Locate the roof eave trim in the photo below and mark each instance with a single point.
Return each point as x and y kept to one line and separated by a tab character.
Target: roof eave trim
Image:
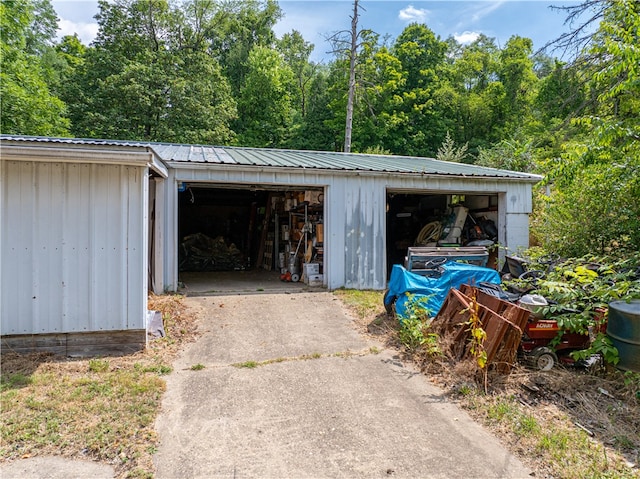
186	165
158	166
63	154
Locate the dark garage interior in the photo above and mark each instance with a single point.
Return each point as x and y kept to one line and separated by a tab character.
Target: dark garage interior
439	220
240	228
228	228
225	218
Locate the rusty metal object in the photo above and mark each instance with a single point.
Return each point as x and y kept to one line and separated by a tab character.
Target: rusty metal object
502	321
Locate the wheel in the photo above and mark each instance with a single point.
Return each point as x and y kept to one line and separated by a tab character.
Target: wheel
533	274
543	359
295	277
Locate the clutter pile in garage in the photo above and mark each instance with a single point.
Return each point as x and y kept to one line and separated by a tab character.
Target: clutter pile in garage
201	253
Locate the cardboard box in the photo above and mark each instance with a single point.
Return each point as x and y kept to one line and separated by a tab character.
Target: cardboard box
309	269
315	280
313	197
319	232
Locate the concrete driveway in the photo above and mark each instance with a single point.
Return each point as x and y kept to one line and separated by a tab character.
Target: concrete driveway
322	402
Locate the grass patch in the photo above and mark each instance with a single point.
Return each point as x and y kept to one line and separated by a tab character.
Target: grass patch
304	357
106	414
98	365
546	438
363	303
160	369
247	364
102	409
13	381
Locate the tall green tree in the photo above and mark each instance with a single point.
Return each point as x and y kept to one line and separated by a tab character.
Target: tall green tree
264	107
422	57
150	76
296	52
381	118
71	54
595	184
236	28
421	53
477	97
319	130
28	106
561	93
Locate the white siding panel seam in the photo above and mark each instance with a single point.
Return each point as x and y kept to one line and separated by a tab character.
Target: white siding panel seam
72	248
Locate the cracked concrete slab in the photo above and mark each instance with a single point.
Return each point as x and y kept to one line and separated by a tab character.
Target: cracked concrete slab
55	467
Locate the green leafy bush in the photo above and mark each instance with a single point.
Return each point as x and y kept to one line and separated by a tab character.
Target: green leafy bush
579	291
414	331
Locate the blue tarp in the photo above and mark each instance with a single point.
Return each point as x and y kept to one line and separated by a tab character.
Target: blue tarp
433	291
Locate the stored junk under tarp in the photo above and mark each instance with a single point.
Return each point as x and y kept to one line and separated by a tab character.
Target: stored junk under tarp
432	290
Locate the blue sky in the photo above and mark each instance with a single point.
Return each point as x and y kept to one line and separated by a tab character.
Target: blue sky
317	19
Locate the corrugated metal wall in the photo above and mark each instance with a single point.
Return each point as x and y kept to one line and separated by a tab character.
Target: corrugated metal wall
73	247
357	209
355	212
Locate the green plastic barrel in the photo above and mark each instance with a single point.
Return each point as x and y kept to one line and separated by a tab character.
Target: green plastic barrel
623	327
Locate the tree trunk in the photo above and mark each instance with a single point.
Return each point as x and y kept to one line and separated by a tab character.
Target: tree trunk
352	77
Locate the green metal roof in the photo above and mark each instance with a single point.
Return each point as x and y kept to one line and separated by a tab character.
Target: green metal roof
182	155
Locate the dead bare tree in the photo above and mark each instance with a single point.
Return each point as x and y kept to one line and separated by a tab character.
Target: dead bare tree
350	47
581	19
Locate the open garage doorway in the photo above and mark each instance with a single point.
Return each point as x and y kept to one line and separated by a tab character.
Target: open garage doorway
438	219
238	238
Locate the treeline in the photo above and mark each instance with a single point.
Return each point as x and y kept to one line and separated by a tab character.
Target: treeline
215	73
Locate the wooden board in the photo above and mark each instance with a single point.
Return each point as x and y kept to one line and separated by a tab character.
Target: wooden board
503	323
102	343
265	230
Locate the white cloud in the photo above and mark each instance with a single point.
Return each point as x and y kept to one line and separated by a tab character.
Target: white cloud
466	37
412	14
86	31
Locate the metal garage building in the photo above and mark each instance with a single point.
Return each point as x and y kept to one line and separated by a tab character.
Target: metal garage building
74	244
356	189
88	226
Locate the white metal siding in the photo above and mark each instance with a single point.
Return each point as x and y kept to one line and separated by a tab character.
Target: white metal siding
157	235
355	212
73	247
365	234
517	232
170	222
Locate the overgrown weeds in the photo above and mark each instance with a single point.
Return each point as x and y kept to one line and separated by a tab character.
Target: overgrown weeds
579	291
414	333
564	423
